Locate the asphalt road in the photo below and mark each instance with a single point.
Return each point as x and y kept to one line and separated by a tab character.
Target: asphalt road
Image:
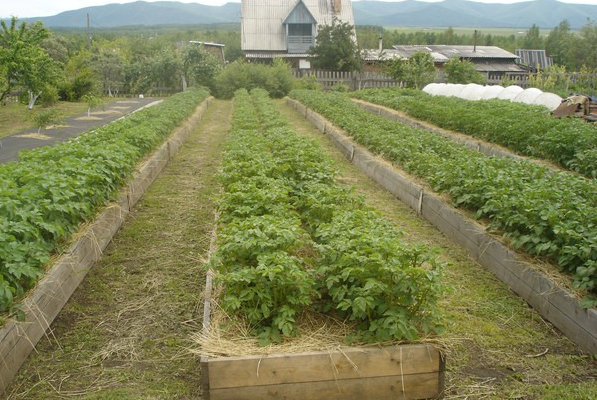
74	126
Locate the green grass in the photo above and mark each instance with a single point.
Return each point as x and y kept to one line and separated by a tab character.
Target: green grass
16	117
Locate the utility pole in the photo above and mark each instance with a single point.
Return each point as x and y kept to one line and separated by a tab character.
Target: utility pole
88	33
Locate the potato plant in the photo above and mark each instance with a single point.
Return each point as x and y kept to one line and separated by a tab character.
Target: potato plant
526	130
546	213
292	239
50	191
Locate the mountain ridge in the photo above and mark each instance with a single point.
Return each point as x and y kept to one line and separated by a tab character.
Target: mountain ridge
455	13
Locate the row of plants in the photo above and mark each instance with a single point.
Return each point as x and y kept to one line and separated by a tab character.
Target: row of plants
546	213
292	240
525	129
50	191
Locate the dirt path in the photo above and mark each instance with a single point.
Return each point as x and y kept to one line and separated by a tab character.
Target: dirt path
124	333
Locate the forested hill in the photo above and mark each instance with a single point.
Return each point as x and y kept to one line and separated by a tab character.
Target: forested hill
456	13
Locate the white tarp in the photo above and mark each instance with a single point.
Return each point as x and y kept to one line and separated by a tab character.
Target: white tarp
510	92
527	96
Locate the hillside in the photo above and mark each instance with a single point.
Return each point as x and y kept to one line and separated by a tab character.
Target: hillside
456	13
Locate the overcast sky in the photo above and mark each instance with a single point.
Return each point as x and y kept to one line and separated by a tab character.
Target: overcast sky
42	8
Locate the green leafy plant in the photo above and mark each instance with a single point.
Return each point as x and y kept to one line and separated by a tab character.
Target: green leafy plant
546	213
292	239
51	190
527	130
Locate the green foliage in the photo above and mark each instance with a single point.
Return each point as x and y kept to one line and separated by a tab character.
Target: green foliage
415	72
292	239
25	63
52	190
336	48
92	101
462	71
546	213
308	82
276	79
200	65
45	118
527	130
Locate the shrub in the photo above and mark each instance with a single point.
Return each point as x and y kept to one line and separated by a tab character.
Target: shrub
276	79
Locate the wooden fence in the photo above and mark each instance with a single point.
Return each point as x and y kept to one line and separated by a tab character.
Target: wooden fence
353	80
546	81
372	79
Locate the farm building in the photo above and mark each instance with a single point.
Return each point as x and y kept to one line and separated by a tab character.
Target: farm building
535	60
287	28
489	60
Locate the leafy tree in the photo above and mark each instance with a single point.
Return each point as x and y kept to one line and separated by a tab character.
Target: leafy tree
109	67
584	51
200	66
92	102
45	118
416	71
462	71
276	79
532	39
79	77
24	62
558	43
336	48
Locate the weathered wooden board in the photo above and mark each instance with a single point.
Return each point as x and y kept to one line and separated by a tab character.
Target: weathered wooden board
407	387
553	302
404	371
18	339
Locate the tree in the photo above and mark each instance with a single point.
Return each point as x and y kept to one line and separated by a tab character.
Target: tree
462	71
416	71
532	39
336	48
200	66
558	43
109	67
24	62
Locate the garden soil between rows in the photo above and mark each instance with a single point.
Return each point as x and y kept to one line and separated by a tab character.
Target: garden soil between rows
125	332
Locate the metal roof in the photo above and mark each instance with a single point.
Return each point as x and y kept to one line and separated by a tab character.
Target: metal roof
276	55
262	21
534	58
443	53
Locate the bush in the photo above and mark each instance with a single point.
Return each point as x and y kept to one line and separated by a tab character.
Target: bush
49	97
276	79
462	71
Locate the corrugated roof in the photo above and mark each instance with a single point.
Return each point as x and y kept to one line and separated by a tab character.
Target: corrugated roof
534	58
276	55
443	53
262	21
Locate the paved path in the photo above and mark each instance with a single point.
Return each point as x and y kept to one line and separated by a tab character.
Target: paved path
74	126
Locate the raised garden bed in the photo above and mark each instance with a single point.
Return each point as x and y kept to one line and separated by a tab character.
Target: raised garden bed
339	253
553	302
42	305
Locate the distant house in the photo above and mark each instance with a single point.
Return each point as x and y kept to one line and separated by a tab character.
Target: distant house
488	60
287	28
534	60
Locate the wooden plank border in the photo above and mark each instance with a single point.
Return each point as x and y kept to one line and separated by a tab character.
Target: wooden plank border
552	301
402	371
42	305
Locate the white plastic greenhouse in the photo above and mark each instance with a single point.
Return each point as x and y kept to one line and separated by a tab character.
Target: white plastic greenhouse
513	93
